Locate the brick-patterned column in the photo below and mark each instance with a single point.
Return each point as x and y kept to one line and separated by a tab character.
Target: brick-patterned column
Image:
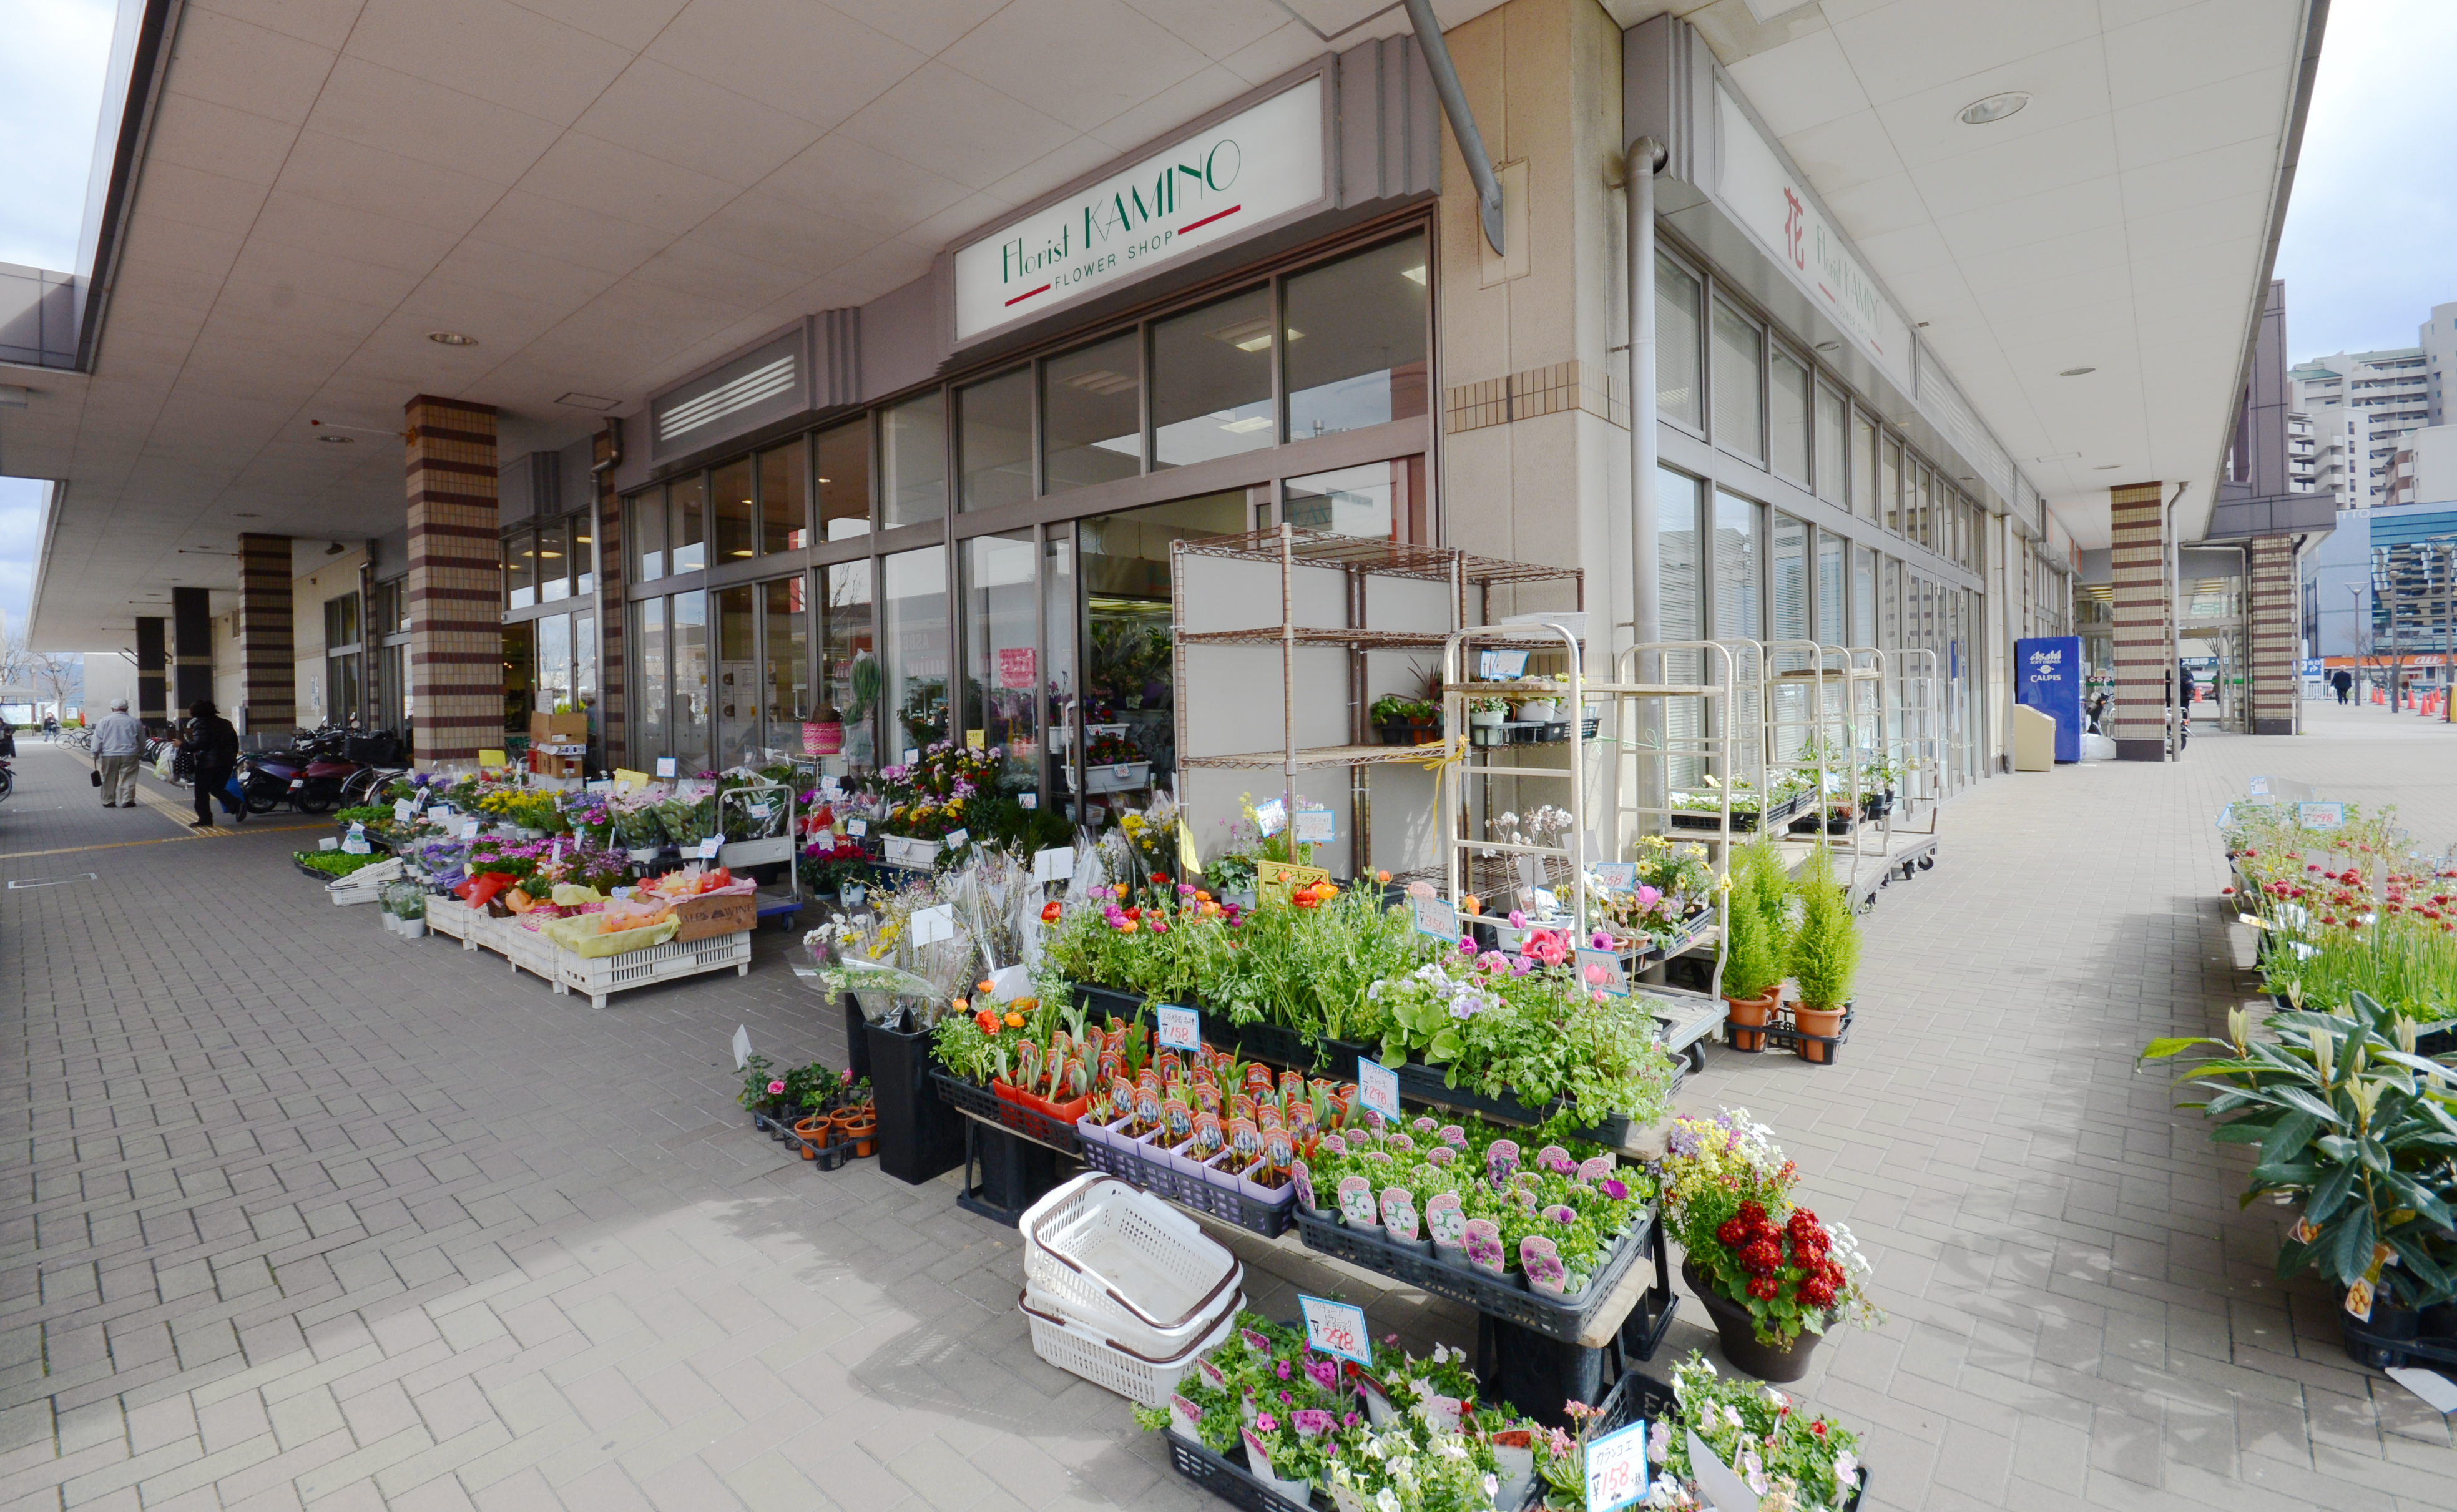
611	621
267	650
456	582
2145	650
2277	623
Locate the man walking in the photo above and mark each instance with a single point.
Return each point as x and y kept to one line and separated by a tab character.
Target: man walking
2343	681
117	740
215	744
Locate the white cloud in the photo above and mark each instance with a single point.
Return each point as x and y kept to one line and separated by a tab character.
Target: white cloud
51	96
2372	228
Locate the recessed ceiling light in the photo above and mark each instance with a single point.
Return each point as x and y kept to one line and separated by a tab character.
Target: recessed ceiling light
2107	467
2075	372
1995	108
452	339
2058	456
331	440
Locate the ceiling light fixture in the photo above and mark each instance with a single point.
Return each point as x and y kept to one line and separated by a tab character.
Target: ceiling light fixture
1995	108
1829	347
2107	467
2075	372
2058	456
452	339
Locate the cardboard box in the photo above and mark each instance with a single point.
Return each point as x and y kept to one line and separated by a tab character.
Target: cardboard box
559	729
719	914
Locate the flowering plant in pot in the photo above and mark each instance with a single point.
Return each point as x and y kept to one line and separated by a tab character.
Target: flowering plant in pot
1776	1446
1824	954
1757	940
1773	1276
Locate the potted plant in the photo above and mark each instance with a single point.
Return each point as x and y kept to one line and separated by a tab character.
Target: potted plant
1542	710
1825	955
1757	927
1398	719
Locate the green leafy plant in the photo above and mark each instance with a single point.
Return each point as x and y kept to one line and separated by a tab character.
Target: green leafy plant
1756	931
333	863
1825	946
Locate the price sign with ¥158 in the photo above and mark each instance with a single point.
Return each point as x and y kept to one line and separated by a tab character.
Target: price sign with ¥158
1617	1468
1338	1328
1180	1028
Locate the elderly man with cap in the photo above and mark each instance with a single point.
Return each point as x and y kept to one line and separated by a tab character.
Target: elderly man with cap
118	739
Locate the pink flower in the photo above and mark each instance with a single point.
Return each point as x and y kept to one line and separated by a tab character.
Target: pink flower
1602	940
1265	1422
844	1077
1597	976
1281	1370
1517	918
776	1088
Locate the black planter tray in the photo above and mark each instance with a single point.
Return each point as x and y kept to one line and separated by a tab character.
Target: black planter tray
980	1104
1742	823
1419	1083
1785	1032
2441	1040
1270	1219
1636	1397
2394	1339
1565	1318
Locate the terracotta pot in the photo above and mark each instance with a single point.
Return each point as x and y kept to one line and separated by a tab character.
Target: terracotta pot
858	1128
813	1129
1738	1333
1744	1014
1816	1020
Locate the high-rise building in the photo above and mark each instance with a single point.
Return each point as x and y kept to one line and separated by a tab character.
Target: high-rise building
2365	406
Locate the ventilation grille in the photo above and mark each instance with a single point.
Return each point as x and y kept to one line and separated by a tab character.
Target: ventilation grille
730	397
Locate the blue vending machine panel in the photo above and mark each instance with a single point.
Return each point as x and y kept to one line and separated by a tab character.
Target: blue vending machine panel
2050	681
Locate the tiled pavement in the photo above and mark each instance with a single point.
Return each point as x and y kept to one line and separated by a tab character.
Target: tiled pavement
312	1215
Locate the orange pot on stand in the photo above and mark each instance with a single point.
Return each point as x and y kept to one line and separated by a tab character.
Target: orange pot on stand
1742	1016
1817	1021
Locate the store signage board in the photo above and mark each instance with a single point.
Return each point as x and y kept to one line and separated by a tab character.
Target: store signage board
1337	1328
1437	917
1180	1028
1255	168
1751	185
1617	1469
1377	1087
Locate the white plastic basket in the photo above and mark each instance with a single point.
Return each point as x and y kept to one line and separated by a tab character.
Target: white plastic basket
600	975
1119	1255
1072	1345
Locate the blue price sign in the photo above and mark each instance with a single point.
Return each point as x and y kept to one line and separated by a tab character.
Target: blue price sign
1618	877
1377	1087
1437	917
1338	1328
1602	970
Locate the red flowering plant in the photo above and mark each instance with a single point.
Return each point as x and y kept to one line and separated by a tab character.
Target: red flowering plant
1727	1199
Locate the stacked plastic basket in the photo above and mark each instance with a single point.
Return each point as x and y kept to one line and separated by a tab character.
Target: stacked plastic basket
1122	1289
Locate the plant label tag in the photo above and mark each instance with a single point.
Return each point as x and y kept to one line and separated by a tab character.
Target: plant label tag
1338	1328
930	925
912	756
1277	880
708	848
958	839
2259	788
1056	865
759	811
831	787
2224	814
469	829
1601	968
1714	1478
857	828
1315	825
665	766
1437	917
328	843
1030	800
1271	817
597	787
401	810
558	854
1617	1471
1377	1087
1618	877
2321	816
741	1045
440	813
1500	665
1180	1028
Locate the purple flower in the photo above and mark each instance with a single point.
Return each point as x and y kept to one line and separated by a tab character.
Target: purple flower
1313	1420
1325	1374
1522	966
1281	1370
1602	940
1561	1213
1616	1189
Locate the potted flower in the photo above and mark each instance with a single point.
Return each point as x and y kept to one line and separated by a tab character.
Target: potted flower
1542	710
1773	1275
1757	927
1825	955
1761	1435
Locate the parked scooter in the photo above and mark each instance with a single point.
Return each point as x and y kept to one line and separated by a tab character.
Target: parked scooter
309	776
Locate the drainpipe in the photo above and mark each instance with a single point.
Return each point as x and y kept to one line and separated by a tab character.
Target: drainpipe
2176	623
1446	84
1645	159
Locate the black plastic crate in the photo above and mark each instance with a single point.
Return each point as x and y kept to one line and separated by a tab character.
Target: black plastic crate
1785	1032
986	1106
1563	1318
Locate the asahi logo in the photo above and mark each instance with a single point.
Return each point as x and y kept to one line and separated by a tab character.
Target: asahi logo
1256	166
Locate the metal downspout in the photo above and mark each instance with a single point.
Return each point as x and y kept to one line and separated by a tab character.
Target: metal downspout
1645	158
1445	85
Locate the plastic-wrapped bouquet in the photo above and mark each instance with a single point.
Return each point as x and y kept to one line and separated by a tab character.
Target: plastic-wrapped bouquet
690	815
636	824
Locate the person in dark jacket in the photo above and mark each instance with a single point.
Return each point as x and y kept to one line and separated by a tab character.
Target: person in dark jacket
216	745
2343	681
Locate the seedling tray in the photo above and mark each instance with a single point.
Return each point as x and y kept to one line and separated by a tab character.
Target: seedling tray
1131	1164
1564	1318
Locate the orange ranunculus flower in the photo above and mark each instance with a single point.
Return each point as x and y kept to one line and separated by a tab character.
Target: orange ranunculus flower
1201	897
985	986
1015	1021
1382	877
1471	904
987	1021
1049	912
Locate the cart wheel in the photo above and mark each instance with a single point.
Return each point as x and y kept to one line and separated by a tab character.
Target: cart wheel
1927	861
1696	1056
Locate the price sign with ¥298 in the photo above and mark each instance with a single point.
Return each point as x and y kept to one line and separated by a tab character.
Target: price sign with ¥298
1617	1468
1338	1328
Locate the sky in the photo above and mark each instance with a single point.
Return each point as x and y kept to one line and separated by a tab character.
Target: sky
2371	234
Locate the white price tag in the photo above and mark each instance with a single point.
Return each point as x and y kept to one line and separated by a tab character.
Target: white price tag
329	843
1617	1469
469	829
440	813
356	845
1500	665
665	766
742	1045
1180	1028
2321	816
1437	917
930	925
1714	1478
958	839
1618	877
1315	825
1601	968
759	811
857	828
1056	865
707	849
1030	801
1377	1087
912	756
831	787
1271	817
558	854
1338	1328
401	810
597	785
2260	787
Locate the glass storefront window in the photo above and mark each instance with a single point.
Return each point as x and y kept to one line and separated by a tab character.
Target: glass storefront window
1381	499
1211	380
851	679
1830	615
784	508
1831	472
686	543
648	535
554	561
691	706
1681	608
1739	418
1678	322
1863	468
1787	417
1864	596
341	689
1788	575
737	676
1056	681
1889	482
1091	415
913	592
651	685
520	675
1355	332
1003	649
913	462
583	554
1129	665
554	660
785	646
1739	608
995	419
844	480
735	511
1922	528
584	657
520	568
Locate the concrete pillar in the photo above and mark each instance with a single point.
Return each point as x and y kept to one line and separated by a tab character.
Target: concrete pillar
2145	647
268	661
2277	623
152	692
456	582
613	622
191	628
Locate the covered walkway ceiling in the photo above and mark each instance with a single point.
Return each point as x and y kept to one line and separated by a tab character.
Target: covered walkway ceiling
607	194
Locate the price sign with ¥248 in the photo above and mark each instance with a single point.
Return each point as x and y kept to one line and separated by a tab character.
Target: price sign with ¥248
1338	1328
